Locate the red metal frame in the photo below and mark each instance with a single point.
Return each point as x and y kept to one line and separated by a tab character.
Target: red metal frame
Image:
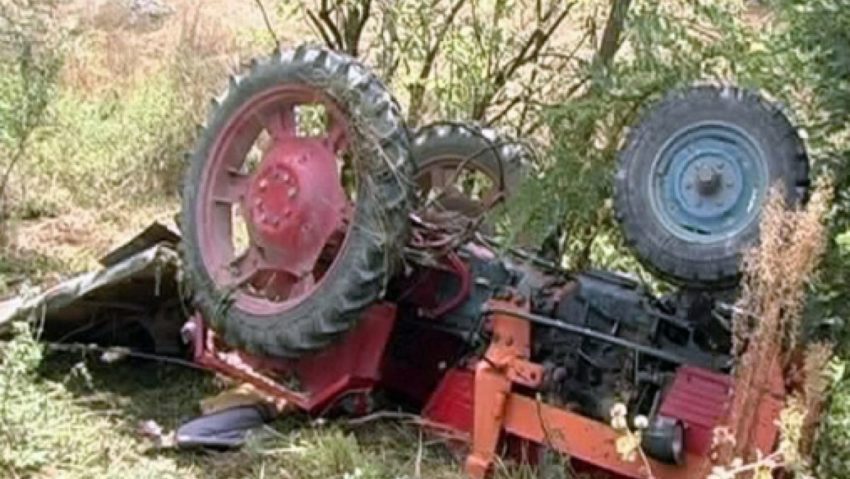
700	399
496	411
484	406
349	366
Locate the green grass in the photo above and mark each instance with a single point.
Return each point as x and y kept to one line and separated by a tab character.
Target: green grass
71	416
122	142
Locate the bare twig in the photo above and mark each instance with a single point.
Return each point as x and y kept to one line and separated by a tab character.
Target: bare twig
528	53
383	416
341	24
268	23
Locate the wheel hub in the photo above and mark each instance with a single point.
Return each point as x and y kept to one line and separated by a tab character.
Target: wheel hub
707	181
295	202
710	186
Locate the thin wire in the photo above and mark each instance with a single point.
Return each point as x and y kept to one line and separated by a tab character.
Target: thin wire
268	23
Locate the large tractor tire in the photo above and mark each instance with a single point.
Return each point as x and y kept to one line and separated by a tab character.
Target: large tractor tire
464	168
307	155
694	175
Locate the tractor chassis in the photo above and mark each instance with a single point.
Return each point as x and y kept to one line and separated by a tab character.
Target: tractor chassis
480	405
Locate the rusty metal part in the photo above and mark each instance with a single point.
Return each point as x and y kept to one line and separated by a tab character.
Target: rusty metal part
499	408
506	362
313	383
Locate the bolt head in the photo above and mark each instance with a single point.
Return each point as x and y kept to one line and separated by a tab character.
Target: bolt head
292	192
264	183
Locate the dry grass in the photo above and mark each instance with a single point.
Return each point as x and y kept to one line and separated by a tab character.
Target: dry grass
767	326
74	417
111	158
814	391
109	52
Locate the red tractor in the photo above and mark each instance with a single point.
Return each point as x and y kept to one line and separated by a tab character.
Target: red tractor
332	253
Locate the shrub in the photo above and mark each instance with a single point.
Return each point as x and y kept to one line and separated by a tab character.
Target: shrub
30	58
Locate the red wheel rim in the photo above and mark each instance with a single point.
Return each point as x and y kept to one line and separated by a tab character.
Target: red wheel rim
292	203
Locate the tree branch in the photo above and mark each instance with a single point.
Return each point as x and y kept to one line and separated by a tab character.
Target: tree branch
417	90
529	52
611	35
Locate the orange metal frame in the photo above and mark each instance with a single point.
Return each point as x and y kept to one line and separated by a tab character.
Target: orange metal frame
499	409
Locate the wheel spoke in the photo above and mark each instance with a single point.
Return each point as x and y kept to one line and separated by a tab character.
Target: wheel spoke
337	137
276	285
457	201
280	286
245	267
441	178
491	196
234	187
280	121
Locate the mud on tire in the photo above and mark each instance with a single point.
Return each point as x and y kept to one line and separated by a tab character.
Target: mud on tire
694	174
369	254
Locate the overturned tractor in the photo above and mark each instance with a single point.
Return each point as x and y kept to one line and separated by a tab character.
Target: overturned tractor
331	254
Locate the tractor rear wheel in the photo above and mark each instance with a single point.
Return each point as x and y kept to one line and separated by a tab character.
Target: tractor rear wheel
694	175
295	202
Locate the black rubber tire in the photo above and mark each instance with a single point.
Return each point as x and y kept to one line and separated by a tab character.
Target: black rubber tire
486	150
712	265
372	251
